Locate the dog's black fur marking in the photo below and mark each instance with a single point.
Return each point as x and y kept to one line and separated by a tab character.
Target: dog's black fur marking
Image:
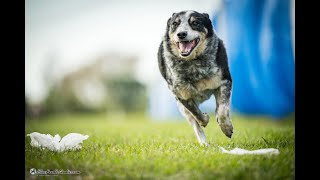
161	64
222	61
204	22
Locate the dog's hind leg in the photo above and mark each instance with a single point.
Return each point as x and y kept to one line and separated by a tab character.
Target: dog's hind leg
196	127
222	95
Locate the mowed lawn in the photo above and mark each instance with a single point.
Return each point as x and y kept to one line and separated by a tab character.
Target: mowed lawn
135	147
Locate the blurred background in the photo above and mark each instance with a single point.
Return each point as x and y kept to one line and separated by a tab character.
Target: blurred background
100	56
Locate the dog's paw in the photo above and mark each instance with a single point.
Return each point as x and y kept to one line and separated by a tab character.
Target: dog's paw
226	127
224	122
204	144
205	120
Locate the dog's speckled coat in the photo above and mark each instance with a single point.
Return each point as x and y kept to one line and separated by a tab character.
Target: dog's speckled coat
201	72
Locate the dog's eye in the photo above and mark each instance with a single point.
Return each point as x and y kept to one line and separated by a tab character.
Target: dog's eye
195	23
174	23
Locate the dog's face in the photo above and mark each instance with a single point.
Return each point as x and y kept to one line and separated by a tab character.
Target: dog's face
188	32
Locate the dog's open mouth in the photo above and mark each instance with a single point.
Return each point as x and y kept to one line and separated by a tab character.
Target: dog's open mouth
186	47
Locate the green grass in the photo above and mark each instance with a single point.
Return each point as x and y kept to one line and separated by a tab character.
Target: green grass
134	147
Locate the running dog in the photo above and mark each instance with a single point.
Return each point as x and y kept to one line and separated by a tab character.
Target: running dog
193	61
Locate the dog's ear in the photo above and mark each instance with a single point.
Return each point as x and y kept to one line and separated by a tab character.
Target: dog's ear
208	24
168	22
206	15
173	14
207	18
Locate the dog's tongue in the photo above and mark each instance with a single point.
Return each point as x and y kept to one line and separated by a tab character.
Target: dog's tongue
186	46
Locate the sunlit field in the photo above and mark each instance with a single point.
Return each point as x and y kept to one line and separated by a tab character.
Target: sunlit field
134	147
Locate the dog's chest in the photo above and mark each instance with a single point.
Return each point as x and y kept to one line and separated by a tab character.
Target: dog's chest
194	79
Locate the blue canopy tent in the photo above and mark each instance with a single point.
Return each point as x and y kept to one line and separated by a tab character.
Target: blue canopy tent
261	56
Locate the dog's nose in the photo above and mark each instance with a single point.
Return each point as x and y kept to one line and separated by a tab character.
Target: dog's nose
182	35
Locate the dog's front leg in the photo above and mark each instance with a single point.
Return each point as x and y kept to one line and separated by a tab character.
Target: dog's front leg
196	127
222	95
201	118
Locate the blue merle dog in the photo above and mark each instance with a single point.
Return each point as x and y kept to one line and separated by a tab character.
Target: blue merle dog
193	61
